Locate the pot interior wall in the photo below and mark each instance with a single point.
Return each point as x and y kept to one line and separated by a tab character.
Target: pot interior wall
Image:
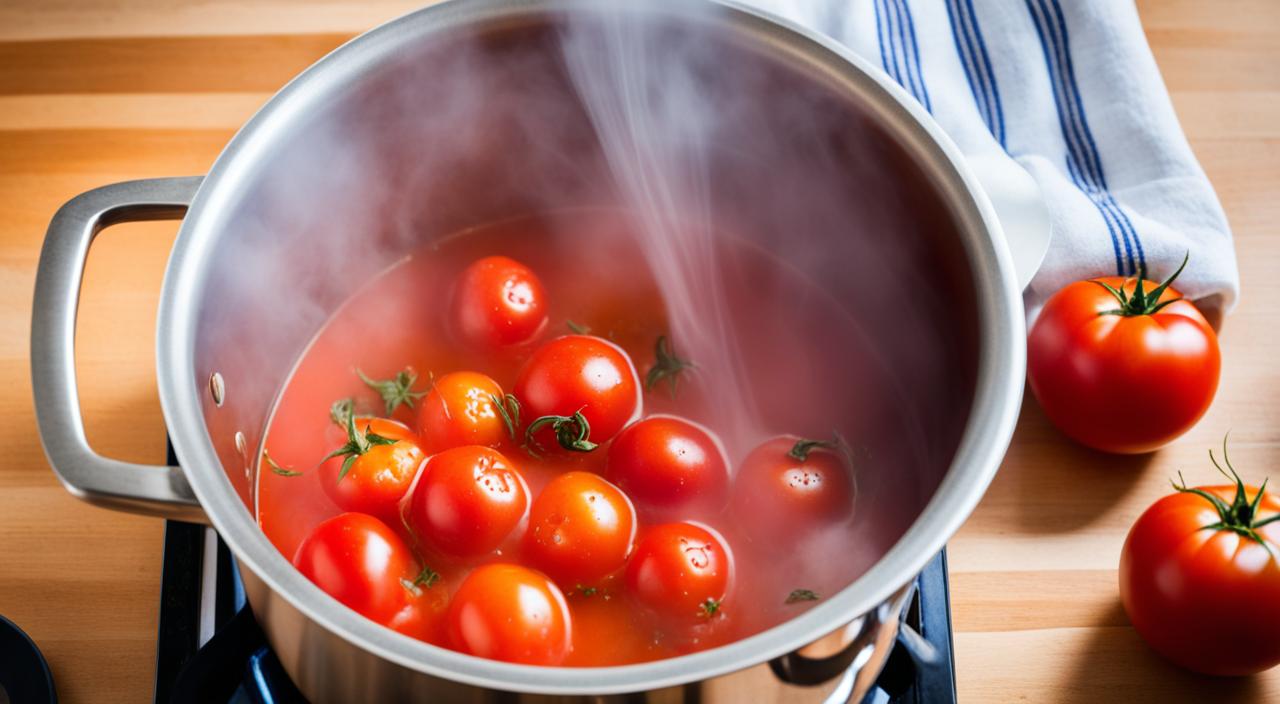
446	129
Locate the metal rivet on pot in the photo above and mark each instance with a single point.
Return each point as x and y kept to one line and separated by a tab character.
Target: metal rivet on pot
216	388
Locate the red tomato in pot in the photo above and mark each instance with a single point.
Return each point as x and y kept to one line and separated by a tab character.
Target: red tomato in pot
510	613
680	571
666	463
497	302
373	470
790	486
464	408
424	616
580	529
577	391
1207	597
1123	373
467	501
359	561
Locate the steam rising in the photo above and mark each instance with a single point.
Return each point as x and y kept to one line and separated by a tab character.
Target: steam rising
648	99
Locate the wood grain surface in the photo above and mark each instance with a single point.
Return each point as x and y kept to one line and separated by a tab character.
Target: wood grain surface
96	91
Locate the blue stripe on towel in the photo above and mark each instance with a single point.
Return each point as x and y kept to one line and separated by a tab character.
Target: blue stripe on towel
909	41
972	50
1068	134
881	35
899	50
964	49
1110	200
1083	161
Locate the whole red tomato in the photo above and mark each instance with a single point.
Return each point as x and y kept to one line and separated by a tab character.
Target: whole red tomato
497	302
467	501
1122	369
789	486
681	571
359	561
465	408
511	613
580	529
576	392
1200	578
373	470
666	463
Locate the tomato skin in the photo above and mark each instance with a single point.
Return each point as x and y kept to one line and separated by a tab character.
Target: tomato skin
380	477
497	302
1121	384
467	501
424	616
459	410
581	529
666	463
510	613
359	561
580	373
781	499
1208	600
677	567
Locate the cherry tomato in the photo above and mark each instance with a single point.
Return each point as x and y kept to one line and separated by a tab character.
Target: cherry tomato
1122	373
464	408
665	463
467	501
1200	579
359	561
580	529
511	613
424	615
578	391
788	487
681	571
498	302
372	472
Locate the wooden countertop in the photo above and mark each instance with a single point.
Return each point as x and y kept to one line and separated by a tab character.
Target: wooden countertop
97	91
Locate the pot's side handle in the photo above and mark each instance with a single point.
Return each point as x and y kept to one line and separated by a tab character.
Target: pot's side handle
153	490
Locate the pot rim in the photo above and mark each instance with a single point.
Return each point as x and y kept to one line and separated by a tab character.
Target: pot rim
993	414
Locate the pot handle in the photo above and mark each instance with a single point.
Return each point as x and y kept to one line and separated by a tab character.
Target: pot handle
136	488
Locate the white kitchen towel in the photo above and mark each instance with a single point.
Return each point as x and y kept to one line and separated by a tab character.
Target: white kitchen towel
1068	91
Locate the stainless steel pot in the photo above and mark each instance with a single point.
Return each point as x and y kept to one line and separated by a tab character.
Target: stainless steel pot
345	170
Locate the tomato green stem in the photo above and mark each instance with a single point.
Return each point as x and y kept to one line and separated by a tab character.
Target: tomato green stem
799	595
709	608
340	410
396	390
666	365
573	433
275	467
509	409
357	444
1241	515
800	451
1141	302
425	579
